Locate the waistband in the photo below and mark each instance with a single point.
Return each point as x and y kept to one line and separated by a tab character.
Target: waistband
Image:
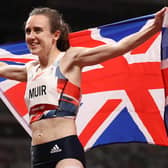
53	151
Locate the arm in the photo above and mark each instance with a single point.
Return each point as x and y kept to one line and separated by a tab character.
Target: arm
90	56
13	72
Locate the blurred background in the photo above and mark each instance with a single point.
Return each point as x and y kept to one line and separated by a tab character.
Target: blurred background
80	14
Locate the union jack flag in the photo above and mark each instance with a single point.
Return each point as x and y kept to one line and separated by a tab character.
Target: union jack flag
123	99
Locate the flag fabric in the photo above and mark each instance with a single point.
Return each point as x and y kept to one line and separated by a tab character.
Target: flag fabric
123	99
164	65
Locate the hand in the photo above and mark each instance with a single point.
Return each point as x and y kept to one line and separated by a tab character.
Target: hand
159	16
2	64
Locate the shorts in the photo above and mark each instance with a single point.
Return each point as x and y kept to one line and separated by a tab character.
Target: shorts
47	155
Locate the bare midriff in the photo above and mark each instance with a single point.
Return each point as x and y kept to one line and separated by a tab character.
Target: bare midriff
50	129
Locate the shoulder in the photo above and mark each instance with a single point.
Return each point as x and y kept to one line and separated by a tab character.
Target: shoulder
68	61
31	64
71	55
74	51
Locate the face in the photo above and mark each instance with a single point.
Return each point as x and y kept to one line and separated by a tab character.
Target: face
39	39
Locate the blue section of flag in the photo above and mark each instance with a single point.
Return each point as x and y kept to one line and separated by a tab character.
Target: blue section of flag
164	44
16	48
2	79
122	29
122	129
13	63
166	117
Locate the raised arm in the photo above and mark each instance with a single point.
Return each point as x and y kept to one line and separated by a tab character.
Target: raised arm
90	56
13	72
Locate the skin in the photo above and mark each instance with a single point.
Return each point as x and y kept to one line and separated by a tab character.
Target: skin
42	42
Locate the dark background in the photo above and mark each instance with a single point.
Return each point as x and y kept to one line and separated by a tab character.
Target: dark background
80	14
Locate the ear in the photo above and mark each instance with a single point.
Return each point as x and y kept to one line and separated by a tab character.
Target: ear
57	34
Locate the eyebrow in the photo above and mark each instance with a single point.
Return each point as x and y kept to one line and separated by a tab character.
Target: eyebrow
35	28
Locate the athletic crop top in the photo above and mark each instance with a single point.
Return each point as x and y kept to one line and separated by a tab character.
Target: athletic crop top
49	94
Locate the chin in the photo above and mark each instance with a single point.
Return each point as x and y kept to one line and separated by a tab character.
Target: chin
34	52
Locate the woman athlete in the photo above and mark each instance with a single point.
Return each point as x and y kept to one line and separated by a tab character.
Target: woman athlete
53	84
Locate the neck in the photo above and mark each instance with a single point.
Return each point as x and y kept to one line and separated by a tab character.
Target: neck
48	59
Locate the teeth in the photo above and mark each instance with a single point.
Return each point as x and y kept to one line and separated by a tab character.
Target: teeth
34	44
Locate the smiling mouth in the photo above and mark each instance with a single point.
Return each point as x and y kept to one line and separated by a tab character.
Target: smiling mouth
33	45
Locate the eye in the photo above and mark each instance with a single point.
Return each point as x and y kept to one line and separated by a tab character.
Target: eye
38	30
27	30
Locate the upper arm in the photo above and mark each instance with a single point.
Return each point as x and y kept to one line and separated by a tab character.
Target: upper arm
14	72
90	56
96	55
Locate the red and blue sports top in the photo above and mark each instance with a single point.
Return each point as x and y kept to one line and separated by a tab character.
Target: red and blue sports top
49	94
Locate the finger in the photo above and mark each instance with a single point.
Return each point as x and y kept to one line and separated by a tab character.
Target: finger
162	11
